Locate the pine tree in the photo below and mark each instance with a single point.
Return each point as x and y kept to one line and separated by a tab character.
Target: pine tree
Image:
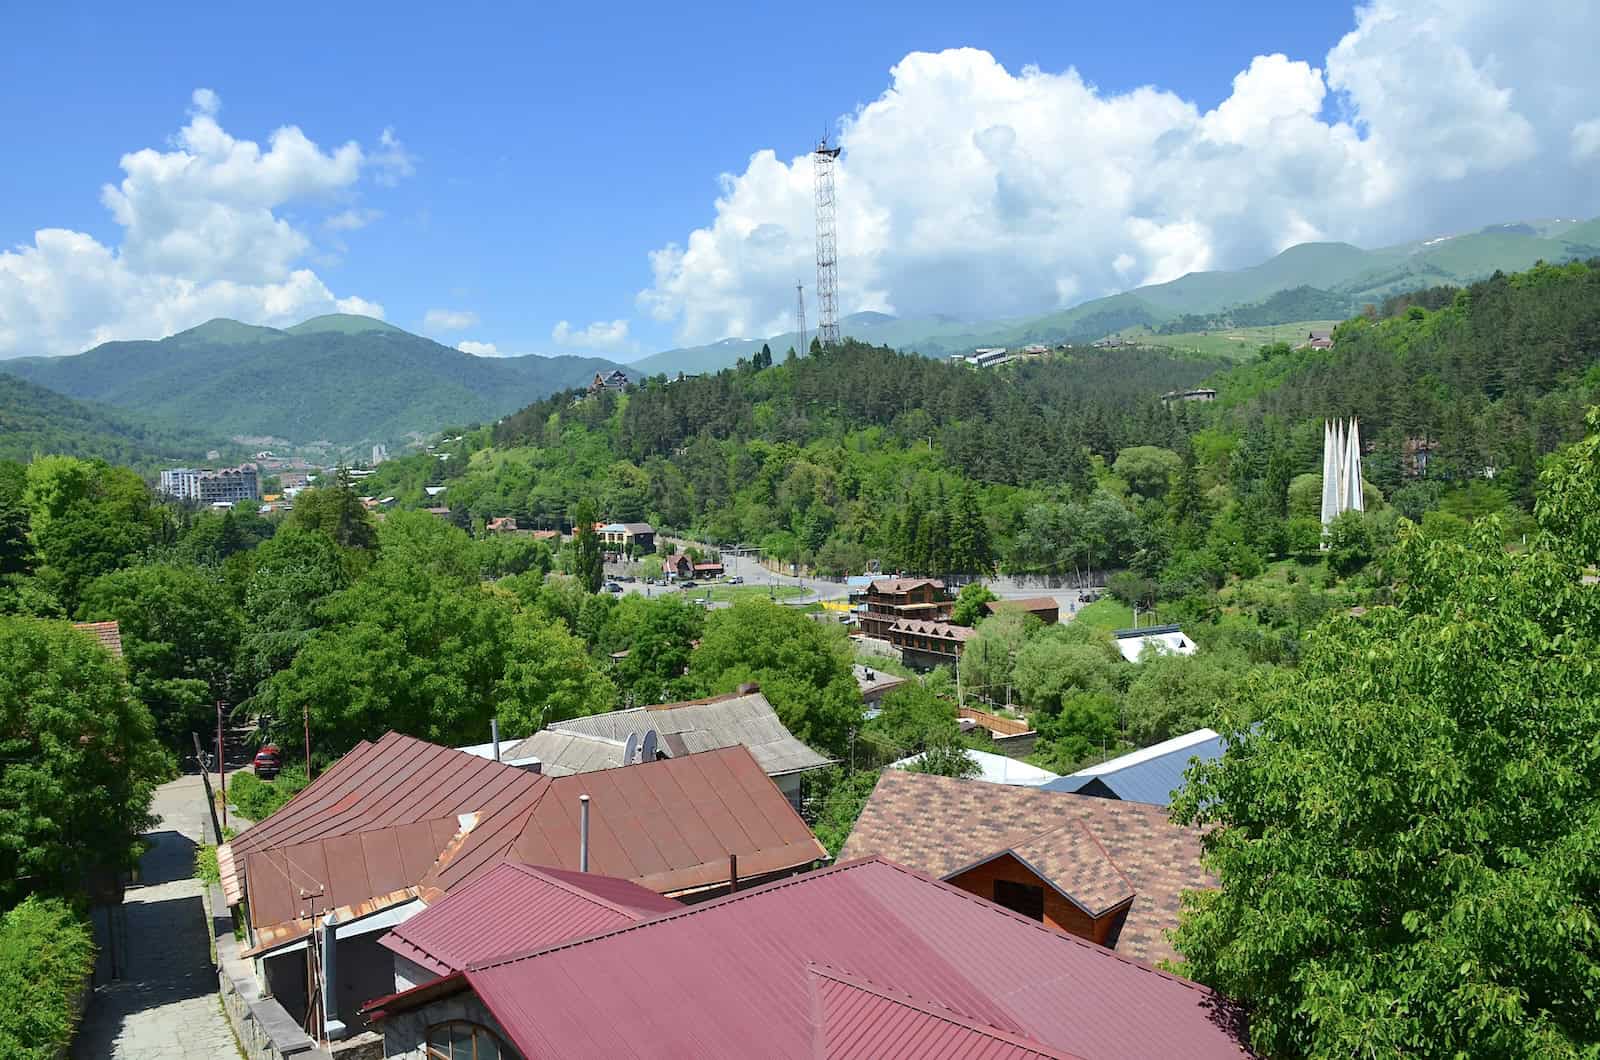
588	563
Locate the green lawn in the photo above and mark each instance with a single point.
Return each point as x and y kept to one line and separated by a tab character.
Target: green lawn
1106	613
720	593
1236	344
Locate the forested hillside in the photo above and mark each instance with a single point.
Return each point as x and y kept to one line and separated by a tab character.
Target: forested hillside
36	420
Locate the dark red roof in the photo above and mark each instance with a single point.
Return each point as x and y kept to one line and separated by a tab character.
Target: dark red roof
669	825
733	978
514	908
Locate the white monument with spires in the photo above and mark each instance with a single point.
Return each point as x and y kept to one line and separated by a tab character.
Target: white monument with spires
1341	469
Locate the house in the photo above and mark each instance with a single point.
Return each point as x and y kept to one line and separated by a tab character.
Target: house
889	600
1149	775
1035	349
438	513
470	924
1103	870
865	959
708	569
504	524
1163	640
109	634
625	537
742	718
996	769
989	357
1319	340
1202	394
434	491
547	535
1415	453
395	823
924	645
875	684
679	565
1045	608
615	380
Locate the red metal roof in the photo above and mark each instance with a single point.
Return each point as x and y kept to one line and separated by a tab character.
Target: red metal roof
514	908
108	634
731	978
669	825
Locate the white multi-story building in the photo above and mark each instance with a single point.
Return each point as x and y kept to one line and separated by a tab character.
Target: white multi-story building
212	486
178	482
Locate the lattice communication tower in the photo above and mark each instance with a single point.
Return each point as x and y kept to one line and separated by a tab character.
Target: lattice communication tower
827	246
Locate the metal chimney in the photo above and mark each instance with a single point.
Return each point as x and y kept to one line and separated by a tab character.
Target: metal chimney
583	833
330	991
494	736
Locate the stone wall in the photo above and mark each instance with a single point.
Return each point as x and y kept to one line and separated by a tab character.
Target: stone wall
404	1033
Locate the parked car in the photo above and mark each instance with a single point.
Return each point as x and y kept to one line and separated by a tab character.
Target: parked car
613	587
268	762
737	579
687	585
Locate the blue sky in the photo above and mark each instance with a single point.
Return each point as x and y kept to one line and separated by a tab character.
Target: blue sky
547	150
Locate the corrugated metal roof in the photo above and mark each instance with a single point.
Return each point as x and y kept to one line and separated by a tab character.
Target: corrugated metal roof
514	908
668	825
698	725
109	634
944	826
731	978
858	1020
901	585
1150	775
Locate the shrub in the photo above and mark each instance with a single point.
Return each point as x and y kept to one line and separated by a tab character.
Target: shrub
259	799
46	951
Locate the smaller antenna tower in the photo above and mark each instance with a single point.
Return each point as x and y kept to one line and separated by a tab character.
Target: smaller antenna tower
800	318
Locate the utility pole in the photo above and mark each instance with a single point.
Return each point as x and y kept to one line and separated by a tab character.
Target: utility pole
222	769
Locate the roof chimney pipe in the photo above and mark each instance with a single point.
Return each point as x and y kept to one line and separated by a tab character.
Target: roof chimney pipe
494	736
733	872
583	833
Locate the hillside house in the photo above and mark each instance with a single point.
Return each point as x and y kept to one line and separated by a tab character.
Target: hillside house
1201	394
1045	608
1103	870
891	600
865	959
615	380
924	645
1163	640
624	537
504	524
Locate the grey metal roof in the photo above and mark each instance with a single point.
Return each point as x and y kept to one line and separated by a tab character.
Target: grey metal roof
1150	778
596	741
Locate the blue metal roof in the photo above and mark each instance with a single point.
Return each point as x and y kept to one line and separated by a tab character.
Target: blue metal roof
1151	781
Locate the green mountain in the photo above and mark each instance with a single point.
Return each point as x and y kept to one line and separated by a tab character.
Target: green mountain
347	380
36	420
1328	280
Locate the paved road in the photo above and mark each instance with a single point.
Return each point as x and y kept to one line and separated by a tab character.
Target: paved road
166	1004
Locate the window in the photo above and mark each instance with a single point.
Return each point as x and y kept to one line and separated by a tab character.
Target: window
1020	898
460	1040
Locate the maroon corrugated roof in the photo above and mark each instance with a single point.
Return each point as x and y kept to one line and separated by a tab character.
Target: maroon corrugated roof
514	908
857	1020
109	634
669	825
730	978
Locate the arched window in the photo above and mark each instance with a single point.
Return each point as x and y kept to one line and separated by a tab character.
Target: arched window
460	1040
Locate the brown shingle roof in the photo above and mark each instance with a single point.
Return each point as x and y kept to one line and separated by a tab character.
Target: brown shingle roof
902	585
944	826
107	633
942	630
1030	604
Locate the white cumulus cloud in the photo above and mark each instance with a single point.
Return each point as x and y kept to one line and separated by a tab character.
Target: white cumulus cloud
201	237
351	220
480	349
967	188
449	320
601	335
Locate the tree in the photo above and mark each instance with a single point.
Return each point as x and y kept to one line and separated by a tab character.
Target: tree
588	563
990	653
948	759
86	518
911	718
1175	694
78	759
179	633
971	604
15	551
659	647
294	573
548	677
336	510
1349	544
803	668
1147	469
1050	667
1406	842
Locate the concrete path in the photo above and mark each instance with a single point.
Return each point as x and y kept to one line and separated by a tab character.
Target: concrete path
165	1005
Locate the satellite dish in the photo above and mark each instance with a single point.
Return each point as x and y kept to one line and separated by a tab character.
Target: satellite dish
649	753
630	748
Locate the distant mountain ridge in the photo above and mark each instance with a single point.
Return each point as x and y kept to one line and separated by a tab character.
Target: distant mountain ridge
348	380
1340	275
36	420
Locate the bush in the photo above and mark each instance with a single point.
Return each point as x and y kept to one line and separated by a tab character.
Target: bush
259	799
205	864
46	952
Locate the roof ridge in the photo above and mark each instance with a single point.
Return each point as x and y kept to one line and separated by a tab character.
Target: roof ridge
1106	854
573	889
688	910
931	1007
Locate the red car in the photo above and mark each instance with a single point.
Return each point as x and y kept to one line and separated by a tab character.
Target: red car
269	760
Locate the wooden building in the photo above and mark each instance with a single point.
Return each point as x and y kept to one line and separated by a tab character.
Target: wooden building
924	645
891	600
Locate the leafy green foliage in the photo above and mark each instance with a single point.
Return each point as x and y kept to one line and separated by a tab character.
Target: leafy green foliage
78	759
86	518
36	420
587	563
1407	843
336	511
946	760
259	799
971	604
46	955
840	796
803	668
